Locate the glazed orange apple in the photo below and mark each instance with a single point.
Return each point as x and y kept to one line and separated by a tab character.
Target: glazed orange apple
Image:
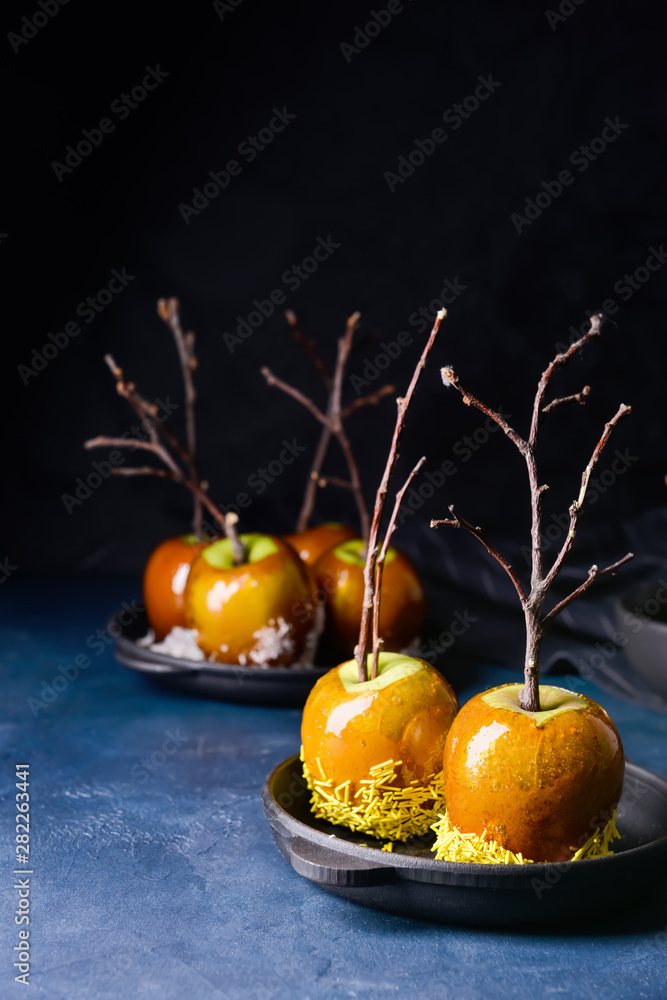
340	574
310	544
165	577
539	783
372	750
257	613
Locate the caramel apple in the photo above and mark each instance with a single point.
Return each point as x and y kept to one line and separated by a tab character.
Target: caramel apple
372	750
373	727
538	783
257	612
311	543
340	574
165	577
533	773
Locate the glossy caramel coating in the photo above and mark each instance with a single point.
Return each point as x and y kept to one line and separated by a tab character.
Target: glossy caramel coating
312	543
165	577
541	790
258	612
353	729
402	604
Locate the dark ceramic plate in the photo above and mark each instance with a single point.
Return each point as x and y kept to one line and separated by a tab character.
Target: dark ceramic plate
411	883
284	686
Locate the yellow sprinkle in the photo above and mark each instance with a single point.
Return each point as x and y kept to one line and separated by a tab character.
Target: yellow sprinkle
388	847
452	845
317	761
381	808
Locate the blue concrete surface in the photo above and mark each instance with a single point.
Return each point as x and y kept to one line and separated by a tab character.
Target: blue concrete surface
160	879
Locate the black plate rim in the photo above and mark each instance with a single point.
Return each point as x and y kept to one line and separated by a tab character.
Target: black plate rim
474	875
130	654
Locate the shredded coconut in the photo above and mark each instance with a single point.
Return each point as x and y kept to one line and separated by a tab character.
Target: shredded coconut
181	643
273	641
307	659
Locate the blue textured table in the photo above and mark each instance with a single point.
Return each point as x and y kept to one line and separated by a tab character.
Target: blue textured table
155	874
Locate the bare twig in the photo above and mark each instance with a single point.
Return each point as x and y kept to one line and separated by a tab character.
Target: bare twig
372	400
311	486
144	409
558	361
168	311
533	601
371	595
344	347
144	470
577	397
344	484
593	574
272	379
576	508
456	521
449	377
310	348
377	641
332	424
227	522
153	446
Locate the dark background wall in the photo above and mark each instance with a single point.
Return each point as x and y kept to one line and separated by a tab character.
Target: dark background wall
330	174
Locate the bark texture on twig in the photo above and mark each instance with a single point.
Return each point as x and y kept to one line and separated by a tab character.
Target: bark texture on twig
532	601
332	421
371	593
159	437
168	311
377	641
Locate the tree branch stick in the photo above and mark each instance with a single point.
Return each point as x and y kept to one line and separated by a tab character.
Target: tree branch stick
145	411
310	347
449	377
547	374
459	522
313	480
344	347
371	400
272	379
168	311
577	397
155	447
370	593
377	642
335	481
333	421
593	574
128	391
576	508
